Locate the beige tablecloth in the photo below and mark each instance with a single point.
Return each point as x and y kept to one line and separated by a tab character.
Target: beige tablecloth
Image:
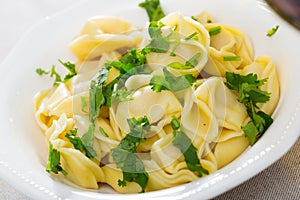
280	181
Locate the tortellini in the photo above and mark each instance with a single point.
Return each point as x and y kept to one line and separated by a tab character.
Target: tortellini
207	111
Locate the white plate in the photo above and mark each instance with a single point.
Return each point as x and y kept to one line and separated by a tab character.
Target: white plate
23	155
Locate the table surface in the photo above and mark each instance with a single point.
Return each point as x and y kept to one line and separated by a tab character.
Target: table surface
280	181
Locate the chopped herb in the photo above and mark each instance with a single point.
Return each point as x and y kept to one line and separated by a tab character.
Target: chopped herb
191	63
153	9
158	43
83	104
231	58
194	18
272	31
170	82
184	144
88	142
69	66
54	164
249	94
102	131
214	30
122	95
125	153
193	36
84	144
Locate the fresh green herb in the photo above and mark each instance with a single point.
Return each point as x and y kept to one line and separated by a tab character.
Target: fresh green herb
88	142
184	144
125	153
84	144
271	32
249	94
153	9
102	131
215	30
158	43
83	104
194	18
191	63
54	164
170	82
231	58
122	95
130	64
193	36
69	66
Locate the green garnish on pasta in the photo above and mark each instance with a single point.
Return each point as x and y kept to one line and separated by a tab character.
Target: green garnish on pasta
215	30
125	153
54	164
170	82
184	143
231	58
84	144
153	9
272	31
52	72
249	94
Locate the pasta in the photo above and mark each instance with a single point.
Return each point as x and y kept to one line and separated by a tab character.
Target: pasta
168	85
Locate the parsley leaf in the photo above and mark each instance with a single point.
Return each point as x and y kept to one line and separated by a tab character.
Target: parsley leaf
184	144
84	144
54	164
153	9
191	63
125	153
158	43
52	72
249	94
170	82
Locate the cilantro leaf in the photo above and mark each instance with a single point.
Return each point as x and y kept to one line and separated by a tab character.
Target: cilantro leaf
54	164
184	144
125	153
250	94
170	82
153	9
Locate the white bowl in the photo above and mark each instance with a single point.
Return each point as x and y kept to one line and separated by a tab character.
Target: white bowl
23	154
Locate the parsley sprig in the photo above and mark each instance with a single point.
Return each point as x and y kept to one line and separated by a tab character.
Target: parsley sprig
84	143
250	94
53	73
153	9
170	82
54	164
184	144
125	153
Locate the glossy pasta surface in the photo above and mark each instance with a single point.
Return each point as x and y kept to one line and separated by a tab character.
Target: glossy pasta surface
208	111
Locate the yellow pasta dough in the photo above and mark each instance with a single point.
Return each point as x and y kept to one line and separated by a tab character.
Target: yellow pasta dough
181	91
